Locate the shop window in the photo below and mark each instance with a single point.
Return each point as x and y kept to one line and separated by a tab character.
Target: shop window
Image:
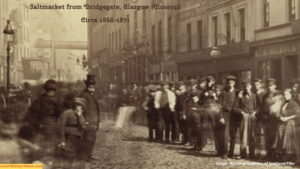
271	69
291	68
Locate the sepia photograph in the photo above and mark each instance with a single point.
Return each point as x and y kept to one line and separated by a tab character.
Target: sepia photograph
149	84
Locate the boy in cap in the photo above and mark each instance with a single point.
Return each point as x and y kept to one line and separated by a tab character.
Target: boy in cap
195	121
72	124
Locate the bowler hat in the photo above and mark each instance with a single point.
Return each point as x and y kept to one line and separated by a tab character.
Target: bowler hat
90	79
271	82
50	85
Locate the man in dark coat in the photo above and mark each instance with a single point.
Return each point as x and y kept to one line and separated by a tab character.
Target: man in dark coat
245	105
260	92
209	102
222	130
181	103
271	124
92	116
43	116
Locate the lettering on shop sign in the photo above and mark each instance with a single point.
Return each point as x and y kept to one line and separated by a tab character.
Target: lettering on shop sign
276	50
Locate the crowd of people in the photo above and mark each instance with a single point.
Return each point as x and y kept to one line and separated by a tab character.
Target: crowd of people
58	128
258	117
62	132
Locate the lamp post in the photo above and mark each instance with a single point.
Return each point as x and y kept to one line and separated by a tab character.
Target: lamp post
215	53
9	38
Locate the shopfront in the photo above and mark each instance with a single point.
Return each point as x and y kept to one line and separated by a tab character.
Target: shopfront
279	59
234	59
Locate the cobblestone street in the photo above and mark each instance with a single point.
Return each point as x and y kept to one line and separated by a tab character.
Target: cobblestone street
129	149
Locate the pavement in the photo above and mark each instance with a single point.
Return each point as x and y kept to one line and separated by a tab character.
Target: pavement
128	148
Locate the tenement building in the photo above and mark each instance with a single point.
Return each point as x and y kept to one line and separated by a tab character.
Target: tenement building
246	38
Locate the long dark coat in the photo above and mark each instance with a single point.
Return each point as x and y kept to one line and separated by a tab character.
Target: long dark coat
43	116
91	110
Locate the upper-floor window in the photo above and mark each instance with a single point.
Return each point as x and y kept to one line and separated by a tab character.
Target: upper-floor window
170	34
200	34
135	26
160	29
228	27
215	30
242	25
266	13
292	9
189	37
153	39
144	22
127	28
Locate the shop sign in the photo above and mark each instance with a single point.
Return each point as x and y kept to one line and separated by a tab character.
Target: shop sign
276	50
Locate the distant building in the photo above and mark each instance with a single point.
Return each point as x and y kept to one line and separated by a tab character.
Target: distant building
245	38
140	50
4	15
21	49
36	68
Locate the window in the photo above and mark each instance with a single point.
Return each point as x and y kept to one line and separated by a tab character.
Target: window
215	30
120	39
135	26
113	41
144	22
292	9
242	25
266	13
153	39
160	37
169	34
189	37
200	37
127	29
228	27
109	41
117	41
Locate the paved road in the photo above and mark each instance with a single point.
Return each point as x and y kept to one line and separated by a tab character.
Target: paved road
129	149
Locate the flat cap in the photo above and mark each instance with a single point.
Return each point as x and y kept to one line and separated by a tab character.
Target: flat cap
231	77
